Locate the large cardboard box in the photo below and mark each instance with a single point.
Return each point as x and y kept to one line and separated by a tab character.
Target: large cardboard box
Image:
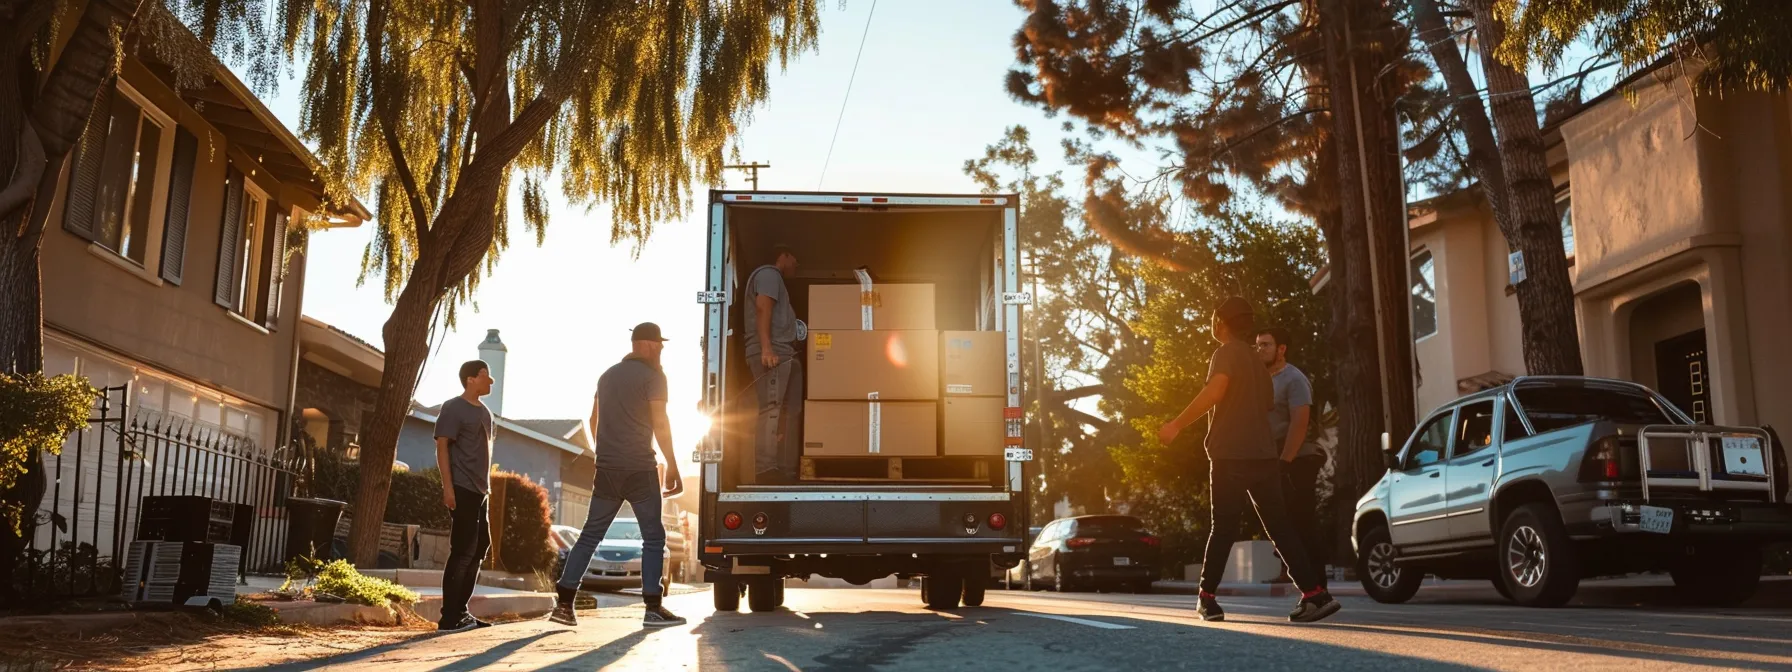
972	363
851	365
843	428
973	426
893	307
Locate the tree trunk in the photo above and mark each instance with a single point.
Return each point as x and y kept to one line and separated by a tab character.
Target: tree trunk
1546	297
1465	97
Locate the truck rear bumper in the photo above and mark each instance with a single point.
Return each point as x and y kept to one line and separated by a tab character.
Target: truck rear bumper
721	548
1721	519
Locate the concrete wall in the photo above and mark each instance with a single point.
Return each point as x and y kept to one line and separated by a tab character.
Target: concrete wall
342	399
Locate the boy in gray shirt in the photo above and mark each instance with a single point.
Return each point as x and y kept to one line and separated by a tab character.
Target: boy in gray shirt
464	456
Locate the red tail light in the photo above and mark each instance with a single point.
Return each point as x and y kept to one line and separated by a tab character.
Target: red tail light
731	521
1080	542
1150	541
1602	461
997	521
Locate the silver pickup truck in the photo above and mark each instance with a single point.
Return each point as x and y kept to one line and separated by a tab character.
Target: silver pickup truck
1548	480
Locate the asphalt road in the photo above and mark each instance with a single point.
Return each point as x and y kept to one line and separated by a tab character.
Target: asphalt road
889	629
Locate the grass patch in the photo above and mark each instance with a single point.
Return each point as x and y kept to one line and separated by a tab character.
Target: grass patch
338	581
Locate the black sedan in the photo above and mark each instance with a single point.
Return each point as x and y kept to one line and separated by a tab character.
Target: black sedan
1104	552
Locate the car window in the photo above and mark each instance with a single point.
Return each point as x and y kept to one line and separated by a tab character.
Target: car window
1514	424
1110	527
1474	429
623	529
1557	405
1429	445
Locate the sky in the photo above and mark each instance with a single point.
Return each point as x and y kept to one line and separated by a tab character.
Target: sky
564	310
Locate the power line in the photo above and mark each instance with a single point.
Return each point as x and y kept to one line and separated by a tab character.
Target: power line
848	96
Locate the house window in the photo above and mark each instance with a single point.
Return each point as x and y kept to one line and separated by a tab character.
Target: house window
253	223
125	162
1566	207
1424	295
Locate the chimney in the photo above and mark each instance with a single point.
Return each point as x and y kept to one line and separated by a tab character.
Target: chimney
492	352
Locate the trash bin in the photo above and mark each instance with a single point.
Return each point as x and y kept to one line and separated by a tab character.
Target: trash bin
310	526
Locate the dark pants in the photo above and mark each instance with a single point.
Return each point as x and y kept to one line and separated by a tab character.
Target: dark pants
468	543
1301	492
1235	484
780	421
641	489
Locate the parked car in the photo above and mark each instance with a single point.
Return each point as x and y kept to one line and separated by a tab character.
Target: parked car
1016	577
617	562
1548	480
1094	553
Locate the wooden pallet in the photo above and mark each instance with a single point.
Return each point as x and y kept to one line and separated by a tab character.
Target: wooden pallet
956	469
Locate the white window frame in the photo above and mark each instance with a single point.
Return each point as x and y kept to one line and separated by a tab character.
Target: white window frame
252	233
1436	297
158	200
1565	200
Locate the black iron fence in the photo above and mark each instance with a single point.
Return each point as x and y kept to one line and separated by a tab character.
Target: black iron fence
95	490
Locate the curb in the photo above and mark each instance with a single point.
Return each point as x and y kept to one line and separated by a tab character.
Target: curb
429	608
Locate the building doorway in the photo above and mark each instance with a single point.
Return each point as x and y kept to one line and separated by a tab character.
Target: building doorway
1683	374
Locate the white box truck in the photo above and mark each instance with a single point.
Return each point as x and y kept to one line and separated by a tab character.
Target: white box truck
916	511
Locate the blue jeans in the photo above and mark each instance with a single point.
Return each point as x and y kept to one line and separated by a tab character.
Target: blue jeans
780	422
641	489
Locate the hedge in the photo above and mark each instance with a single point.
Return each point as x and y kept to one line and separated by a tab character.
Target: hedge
415	497
525	546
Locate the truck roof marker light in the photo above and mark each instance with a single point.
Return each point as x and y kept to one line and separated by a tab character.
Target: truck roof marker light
879	199
987	201
850	199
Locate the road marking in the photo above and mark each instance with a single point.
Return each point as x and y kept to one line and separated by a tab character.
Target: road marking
780	659
1078	621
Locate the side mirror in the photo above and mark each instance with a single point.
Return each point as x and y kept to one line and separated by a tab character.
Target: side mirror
1388	458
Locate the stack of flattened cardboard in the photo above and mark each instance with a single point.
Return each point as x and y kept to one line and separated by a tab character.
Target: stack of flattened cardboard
874	371
974	381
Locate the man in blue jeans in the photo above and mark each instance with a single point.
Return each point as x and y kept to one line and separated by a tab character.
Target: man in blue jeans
627	417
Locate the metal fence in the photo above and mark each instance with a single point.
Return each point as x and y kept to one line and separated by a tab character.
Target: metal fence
95	489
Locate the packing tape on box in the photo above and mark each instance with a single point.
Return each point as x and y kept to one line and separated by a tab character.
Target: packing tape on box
867	299
876	422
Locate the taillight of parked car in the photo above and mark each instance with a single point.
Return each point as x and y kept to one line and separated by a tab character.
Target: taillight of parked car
731	521
1602	461
1080	542
1150	541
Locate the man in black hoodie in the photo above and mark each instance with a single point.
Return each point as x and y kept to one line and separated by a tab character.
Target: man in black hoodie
1244	469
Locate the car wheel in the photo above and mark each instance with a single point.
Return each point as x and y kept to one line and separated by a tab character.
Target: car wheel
763	594
1718	575
974	591
1537	559
1384	581
727	593
1499	585
941	589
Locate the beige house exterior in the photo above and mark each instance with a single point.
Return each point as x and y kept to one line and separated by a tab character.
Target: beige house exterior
1677	214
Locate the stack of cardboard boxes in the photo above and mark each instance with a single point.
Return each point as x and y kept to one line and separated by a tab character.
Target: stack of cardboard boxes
884	382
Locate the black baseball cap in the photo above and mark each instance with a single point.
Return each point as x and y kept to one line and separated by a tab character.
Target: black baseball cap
1233	307
646	331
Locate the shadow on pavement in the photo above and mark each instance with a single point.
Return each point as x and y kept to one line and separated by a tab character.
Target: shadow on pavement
1542	642
470	663
595	659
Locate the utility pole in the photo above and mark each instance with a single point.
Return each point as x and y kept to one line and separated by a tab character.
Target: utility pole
752	171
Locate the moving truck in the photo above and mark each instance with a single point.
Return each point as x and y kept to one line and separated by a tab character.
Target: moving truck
911	454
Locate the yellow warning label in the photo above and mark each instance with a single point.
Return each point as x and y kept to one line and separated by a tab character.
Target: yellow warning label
824	341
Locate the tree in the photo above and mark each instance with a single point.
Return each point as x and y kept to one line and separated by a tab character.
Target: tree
1741	44
438	109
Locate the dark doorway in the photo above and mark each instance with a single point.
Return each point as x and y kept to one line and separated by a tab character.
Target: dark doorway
1684	375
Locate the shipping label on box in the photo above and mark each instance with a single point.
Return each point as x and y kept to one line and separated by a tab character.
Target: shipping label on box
855	428
972	426
973	363
895	365
892	307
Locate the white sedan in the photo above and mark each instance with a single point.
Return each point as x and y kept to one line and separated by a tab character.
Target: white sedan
617	562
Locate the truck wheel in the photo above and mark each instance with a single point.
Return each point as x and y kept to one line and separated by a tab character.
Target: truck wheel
778	589
1718	575
727	593
974	591
941	590
1537	559
1383	580
763	594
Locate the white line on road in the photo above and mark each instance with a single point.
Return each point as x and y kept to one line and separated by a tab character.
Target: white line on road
1079	621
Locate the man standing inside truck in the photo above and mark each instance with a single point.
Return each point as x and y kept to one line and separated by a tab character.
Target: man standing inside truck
1289	421
1244	469
777	371
628	416
464	457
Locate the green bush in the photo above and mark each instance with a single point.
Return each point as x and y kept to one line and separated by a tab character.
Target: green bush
525	546
340	579
36	414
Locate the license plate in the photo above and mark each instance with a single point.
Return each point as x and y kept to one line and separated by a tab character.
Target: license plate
1657	519
1122	562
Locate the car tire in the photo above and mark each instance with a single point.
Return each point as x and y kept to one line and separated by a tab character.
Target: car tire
762	594
1537	561
1499	586
1384	581
1718	575
727	593
974	592
941	590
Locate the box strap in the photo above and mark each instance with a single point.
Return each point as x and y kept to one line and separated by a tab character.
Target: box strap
876	422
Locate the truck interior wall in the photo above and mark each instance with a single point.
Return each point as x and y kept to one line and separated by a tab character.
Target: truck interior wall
952	249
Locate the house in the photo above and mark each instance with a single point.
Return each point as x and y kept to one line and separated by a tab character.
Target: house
1677	218
339	375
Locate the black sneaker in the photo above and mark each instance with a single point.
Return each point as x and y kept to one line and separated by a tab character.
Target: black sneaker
563	615
1314	608
660	617
477	624
1210	610
461	624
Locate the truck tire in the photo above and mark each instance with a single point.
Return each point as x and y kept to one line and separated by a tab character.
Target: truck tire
974	591
763	594
1537	560
1499	586
941	590
1384	581
1718	575
727	593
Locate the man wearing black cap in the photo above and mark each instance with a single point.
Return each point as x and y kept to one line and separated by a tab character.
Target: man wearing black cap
777	371
627	417
1244	469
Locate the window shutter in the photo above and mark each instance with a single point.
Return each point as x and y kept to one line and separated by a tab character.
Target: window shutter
272	279
84	178
229	237
180	192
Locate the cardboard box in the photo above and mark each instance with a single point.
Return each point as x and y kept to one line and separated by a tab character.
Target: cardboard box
851	365
893	307
843	428
973	363
973	426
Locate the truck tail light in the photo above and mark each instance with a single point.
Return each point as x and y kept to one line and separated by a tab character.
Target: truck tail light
1602	461
731	521
997	521
1080	542
1150	541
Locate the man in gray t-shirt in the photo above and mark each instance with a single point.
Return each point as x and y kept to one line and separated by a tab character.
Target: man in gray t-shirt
777	370
1290	421
464	456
